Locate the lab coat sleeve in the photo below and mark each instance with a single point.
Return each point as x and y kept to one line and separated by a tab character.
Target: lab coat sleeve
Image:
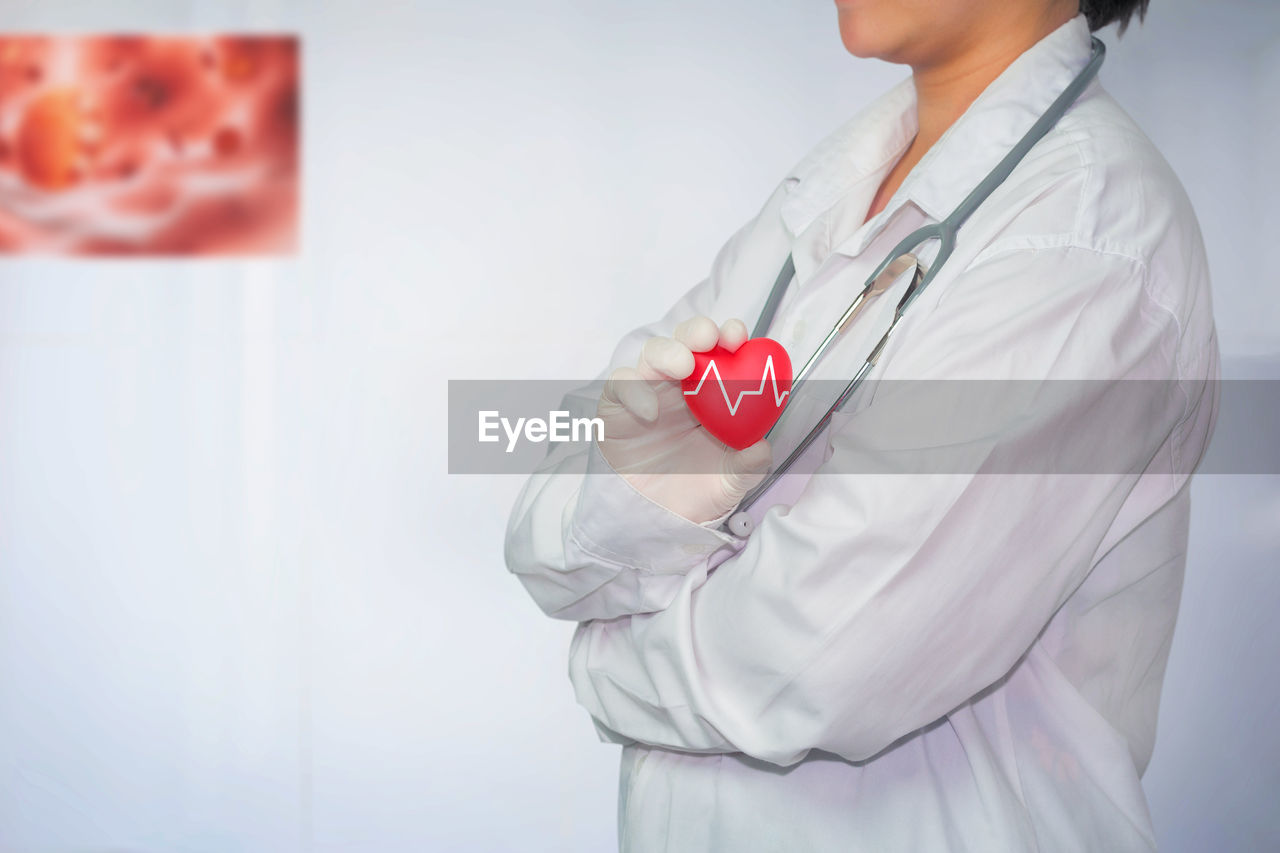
880	602
571	570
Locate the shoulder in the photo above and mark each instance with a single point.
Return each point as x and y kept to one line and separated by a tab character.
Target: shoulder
1096	181
1097	184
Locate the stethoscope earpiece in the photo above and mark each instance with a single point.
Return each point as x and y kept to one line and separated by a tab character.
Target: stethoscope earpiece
740	524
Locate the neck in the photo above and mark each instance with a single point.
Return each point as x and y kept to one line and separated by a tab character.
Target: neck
947	86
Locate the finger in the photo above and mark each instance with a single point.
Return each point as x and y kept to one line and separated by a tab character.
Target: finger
744	469
627	388
665	358
733	334
699	333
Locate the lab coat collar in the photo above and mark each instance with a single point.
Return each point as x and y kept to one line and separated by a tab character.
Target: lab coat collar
970	148
862	147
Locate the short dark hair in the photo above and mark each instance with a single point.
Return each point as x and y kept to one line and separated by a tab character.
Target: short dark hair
1103	12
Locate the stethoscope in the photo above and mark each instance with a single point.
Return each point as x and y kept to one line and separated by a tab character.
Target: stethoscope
902	259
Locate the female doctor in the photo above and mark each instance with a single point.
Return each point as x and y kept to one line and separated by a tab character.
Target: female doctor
905	662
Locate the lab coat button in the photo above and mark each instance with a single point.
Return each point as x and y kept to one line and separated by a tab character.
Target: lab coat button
741	525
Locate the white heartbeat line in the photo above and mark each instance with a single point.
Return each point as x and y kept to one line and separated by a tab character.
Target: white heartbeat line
769	371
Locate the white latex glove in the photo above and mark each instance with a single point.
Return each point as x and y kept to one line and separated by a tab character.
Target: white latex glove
653	440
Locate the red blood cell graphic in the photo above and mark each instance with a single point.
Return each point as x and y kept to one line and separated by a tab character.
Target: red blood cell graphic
131	144
47	140
226	141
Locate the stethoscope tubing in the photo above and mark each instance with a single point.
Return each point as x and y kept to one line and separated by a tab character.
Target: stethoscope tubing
740	523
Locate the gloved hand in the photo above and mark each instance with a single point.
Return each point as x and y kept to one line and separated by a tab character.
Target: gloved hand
652	439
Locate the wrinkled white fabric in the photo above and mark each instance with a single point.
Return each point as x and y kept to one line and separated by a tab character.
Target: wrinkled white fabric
911	662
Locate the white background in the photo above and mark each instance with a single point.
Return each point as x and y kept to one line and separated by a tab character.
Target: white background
242	605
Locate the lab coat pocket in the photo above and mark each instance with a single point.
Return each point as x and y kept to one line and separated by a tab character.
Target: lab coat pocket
919	427
872	437
848	417
844	451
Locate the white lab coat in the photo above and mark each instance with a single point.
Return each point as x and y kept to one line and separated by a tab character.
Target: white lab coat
919	662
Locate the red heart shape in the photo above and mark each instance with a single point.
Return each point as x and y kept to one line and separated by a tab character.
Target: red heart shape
739	395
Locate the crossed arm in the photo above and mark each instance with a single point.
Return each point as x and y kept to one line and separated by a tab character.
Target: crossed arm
877	602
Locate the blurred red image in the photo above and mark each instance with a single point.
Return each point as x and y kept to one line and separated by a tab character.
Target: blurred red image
149	145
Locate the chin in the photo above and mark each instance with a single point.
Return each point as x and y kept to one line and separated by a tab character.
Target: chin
865	38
